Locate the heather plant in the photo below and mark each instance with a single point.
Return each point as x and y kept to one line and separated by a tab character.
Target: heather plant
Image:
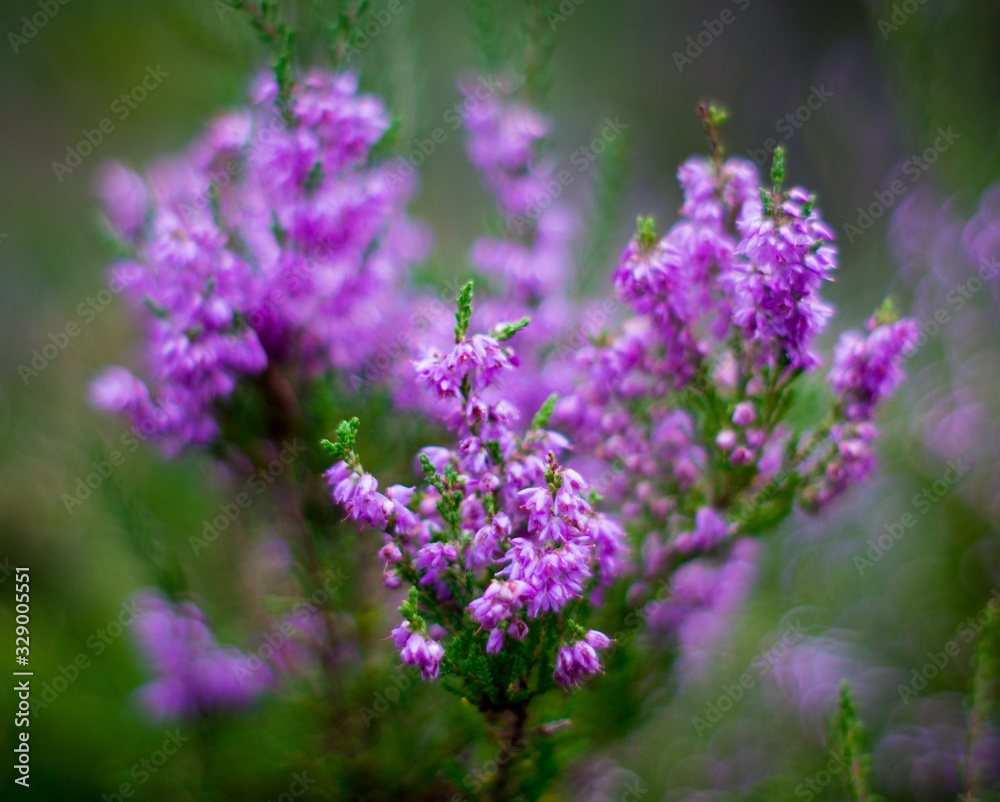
503	532
688	409
587	499
503	549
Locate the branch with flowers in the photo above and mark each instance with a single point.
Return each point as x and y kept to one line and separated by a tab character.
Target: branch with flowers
276	258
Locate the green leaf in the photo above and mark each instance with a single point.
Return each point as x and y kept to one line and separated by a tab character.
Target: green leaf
508	330
778	169
855	749
541	419
346	438
464	313
646	233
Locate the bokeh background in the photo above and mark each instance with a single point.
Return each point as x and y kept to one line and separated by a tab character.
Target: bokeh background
890	87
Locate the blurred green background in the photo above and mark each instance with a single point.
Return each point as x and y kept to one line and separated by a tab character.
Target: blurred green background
889	91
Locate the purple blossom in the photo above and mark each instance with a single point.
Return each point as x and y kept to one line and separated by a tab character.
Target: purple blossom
710	529
579	660
788	255
519	524
500	602
868	369
744	414
555	576
194	675
433	560
264	248
417	650
358	494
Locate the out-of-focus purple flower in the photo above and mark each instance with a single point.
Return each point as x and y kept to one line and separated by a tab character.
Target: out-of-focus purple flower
125	198
710	529
852	461
868	369
704	597
923	751
265	246
194	675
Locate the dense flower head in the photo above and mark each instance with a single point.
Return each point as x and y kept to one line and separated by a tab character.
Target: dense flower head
269	243
194	675
681	406
789	254
503	538
868	369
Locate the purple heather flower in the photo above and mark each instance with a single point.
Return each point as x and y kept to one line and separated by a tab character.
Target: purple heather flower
710	529
264	246
610	547
579	660
852	462
194	674
705	596
868	369
556	576
422	652
500	602
528	537
744	414
433	561
358	494
726	439
739	182
788	255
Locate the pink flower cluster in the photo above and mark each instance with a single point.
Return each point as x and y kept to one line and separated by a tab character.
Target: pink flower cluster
271	244
503	536
194	674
